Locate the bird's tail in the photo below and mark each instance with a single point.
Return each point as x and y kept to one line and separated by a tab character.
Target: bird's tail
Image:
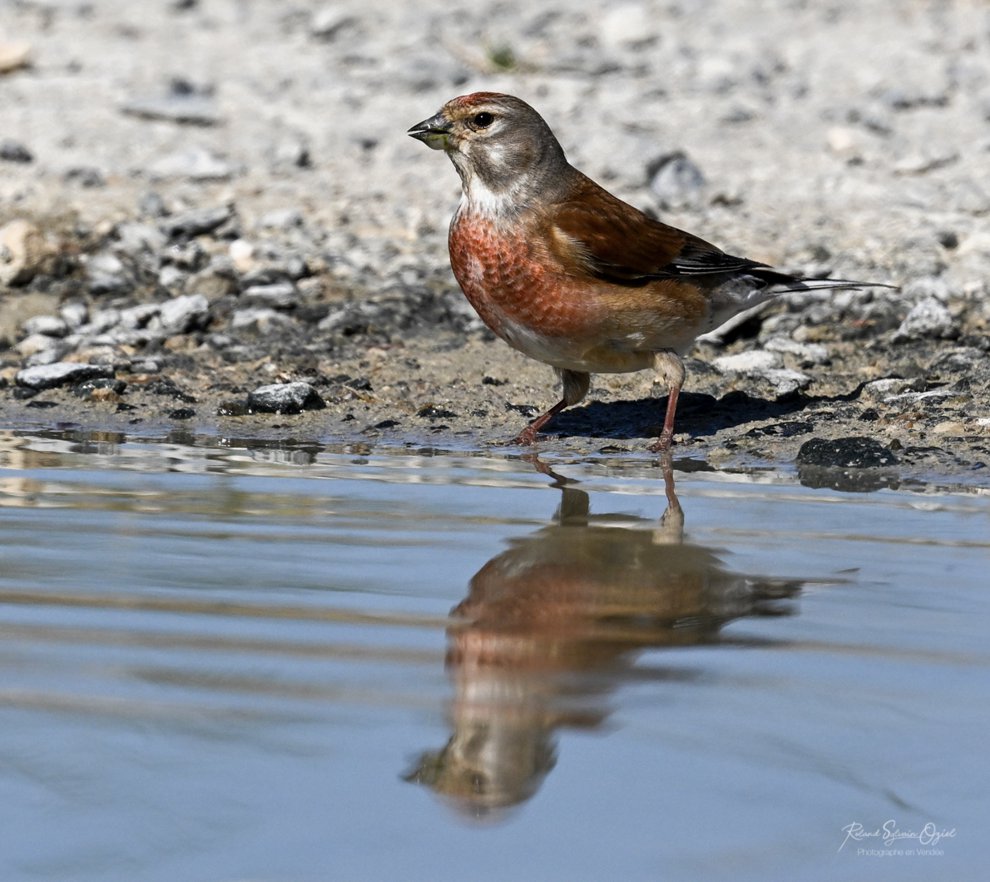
782	283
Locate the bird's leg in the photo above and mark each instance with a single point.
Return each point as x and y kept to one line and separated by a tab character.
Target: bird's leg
575	385
671	530
670	365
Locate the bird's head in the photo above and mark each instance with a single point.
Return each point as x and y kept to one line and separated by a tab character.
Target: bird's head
499	145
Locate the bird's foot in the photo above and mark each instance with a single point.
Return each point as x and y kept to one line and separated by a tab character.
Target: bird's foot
526	438
662	444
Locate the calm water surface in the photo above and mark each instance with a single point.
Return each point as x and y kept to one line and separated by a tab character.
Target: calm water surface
222	663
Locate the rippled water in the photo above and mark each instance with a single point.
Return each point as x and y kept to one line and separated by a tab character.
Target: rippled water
288	663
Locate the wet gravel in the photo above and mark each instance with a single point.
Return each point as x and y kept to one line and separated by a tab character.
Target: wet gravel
211	221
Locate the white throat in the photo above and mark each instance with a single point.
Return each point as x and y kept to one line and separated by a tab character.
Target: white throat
480	199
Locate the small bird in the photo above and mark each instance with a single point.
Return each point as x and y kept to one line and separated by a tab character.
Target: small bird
571	275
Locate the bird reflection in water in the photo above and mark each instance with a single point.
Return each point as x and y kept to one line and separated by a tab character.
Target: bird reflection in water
552	626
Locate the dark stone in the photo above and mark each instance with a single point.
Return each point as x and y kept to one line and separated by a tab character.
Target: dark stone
196	222
60	373
182	413
165	386
845	453
85	176
782	430
86	388
432	412
233	407
14	151
284	398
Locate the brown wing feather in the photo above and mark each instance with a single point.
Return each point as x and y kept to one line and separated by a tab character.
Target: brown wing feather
605	237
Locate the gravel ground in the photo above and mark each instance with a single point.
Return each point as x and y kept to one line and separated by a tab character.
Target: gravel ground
199	200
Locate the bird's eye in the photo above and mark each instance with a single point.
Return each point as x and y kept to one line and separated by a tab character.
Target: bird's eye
483	120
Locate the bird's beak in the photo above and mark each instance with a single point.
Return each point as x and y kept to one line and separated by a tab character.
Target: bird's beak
433	132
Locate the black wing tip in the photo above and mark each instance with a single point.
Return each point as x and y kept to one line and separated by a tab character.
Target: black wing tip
845	284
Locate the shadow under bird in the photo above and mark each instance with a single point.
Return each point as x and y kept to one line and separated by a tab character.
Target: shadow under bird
571	275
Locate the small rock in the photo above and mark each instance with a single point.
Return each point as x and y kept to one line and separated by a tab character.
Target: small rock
182	413
929	318
215	281
281	219
14	151
949	427
32	344
53	353
887	387
101	321
233	407
278	295
182	314
786	382
261	320
241	254
948	239
923	162
99	388
328	21
845	453
13	55
628	25
197	222
433	412
61	373
152	205
717	72
138	316
915	398
168	388
676	181
753	361
961	360
22	252
49	325
285	398
186	254
189	109
138	239
144	366
74	314
291	152
85	176
807	353
107	273
171	278
910	96
194	163
844	141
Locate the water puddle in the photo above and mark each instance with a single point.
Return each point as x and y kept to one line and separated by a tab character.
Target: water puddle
226	661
